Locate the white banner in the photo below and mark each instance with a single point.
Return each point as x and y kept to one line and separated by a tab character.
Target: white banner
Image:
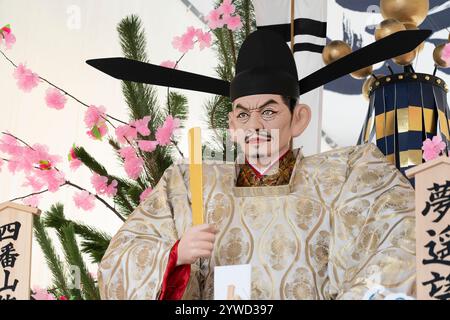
310	18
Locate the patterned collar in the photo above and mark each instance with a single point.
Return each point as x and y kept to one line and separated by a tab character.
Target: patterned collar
275	175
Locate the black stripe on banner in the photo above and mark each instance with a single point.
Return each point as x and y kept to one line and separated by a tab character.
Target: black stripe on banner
302	26
308	47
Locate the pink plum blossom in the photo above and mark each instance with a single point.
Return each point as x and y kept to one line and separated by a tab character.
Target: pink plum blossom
55	99
26	79
84	200
42	294
226	8
185	42
33	182
111	189
94	115
446	53
98	132
133	165
10	40
147	146
127	152
433	148
129	131
204	39
164	133
10	145
75	163
233	22
124	133
52	178
94	118
32	201
141	125
101	186
169	64
145	194
99	183
214	20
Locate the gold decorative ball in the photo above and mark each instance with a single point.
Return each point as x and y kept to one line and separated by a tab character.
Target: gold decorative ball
437	56
405	59
335	50
406	11
362	73
369	83
411	26
388	27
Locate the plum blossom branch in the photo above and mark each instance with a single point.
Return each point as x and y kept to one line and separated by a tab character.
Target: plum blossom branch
47	165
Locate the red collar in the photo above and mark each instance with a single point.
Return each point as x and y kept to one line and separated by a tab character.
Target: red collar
261	174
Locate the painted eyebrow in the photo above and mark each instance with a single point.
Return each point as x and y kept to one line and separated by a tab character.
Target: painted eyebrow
265	104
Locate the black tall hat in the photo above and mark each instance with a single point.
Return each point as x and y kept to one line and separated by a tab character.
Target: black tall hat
265	65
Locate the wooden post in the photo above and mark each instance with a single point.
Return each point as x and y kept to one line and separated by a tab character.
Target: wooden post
16	234
432	180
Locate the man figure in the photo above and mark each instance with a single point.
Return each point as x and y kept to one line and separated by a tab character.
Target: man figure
327	226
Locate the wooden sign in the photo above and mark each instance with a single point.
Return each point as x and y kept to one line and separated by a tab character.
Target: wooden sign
432	181
16	234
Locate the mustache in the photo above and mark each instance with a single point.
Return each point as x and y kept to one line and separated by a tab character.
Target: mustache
258	134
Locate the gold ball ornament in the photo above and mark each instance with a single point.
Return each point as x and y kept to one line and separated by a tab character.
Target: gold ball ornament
405	11
405	59
368	84
388	27
335	50
362	73
410	26
437	56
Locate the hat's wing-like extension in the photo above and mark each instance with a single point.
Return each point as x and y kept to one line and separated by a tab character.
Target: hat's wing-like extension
137	71
389	47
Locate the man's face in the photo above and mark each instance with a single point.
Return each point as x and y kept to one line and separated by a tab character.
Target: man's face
262	125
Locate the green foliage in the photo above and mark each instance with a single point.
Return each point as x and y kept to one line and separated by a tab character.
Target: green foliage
65	274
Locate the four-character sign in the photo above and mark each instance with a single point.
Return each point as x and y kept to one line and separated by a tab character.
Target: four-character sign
433	228
16	228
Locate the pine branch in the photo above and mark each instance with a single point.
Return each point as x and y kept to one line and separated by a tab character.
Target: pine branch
178	106
89	161
132	38
92	238
73	257
54	263
58	209
66	235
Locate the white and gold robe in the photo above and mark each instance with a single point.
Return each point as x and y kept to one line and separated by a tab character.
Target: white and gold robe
345	218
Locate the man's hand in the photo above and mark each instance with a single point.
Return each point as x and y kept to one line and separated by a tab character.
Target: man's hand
197	242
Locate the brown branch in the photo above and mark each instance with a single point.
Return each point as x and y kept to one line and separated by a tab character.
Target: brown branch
18	139
98	198
65	92
29	195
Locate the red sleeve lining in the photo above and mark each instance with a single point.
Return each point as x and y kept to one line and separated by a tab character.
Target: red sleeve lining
176	277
